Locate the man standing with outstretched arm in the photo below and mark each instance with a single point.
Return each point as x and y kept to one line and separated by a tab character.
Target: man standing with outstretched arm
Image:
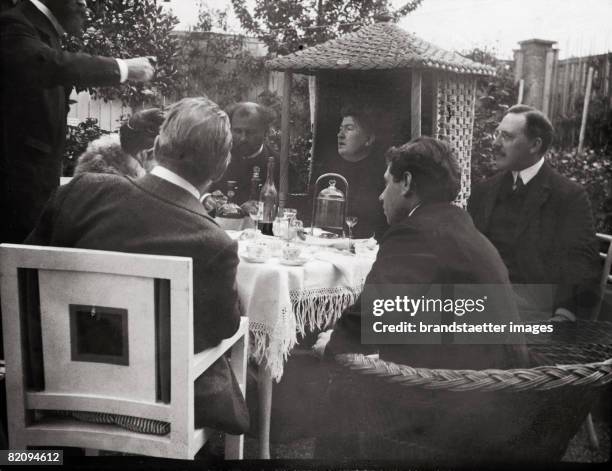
36	80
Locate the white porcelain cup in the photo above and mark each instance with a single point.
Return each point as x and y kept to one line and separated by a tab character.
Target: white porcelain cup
258	250
291	252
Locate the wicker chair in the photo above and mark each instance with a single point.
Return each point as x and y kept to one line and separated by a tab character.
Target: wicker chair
428	416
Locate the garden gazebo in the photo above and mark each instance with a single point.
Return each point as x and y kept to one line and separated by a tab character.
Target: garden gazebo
425	89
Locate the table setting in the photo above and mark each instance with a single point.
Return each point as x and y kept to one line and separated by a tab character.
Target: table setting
297	280
292	279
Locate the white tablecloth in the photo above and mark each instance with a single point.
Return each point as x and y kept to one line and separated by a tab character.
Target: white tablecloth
281	301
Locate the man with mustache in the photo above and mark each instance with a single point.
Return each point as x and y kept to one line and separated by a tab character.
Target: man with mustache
250	125
36	81
539	221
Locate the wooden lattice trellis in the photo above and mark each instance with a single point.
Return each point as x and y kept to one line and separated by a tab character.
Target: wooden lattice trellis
454	100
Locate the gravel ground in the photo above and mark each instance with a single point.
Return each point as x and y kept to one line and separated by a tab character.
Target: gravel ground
578	450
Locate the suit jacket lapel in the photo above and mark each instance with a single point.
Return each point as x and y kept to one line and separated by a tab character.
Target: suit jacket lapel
42	24
490	198
538	191
171	194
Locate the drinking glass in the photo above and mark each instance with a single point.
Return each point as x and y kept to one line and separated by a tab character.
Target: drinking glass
351	221
279	227
290	213
255	213
296	229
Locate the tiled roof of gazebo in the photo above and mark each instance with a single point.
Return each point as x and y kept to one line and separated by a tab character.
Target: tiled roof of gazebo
376	47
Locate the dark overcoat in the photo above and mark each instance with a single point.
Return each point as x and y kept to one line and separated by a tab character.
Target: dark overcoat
152	216
36	80
438	244
553	241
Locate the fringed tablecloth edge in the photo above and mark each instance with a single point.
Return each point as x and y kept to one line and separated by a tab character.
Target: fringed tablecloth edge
270	351
321	307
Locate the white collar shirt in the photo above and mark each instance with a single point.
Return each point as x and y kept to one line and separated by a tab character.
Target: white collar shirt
529	172
50	16
170	176
123	67
254	154
414	209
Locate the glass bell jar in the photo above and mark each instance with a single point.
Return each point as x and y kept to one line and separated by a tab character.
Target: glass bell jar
329	206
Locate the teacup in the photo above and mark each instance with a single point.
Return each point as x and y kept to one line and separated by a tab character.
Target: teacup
258	250
291	253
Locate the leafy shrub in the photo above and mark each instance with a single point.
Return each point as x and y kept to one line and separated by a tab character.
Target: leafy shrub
77	139
131	28
593	170
494	95
300	144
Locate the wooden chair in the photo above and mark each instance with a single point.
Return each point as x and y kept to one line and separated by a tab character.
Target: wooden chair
606	277
142	306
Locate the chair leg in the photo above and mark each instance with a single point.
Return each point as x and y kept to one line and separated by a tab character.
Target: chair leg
234	447
264	393
234	444
593	440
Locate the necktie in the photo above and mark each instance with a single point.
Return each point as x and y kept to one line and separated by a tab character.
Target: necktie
518	183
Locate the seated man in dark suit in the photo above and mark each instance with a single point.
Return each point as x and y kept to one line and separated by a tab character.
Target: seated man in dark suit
430	242
160	213
539	221
250	125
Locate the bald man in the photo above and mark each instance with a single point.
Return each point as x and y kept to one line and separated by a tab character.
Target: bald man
250	125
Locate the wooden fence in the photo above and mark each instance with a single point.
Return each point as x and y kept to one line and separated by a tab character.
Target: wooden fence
569	84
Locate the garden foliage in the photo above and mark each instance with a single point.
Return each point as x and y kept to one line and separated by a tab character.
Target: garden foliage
131	28
288	25
77	140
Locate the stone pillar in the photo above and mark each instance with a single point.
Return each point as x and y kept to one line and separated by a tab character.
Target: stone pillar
533	64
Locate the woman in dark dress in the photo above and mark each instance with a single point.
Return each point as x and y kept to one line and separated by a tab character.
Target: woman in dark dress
360	160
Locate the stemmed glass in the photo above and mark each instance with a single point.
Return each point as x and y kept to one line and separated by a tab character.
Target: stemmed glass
290	213
351	221
255	212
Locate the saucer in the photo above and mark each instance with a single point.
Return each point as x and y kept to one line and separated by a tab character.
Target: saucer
254	259
298	262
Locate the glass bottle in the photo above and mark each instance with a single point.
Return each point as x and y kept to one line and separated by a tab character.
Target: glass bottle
255	184
252	206
268	198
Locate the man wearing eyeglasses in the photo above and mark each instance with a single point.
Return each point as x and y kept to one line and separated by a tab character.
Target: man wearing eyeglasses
539	221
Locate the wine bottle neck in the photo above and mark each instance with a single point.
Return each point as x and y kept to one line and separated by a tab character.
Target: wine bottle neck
254	189
270	175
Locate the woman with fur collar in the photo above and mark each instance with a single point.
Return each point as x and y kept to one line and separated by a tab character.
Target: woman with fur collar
127	153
